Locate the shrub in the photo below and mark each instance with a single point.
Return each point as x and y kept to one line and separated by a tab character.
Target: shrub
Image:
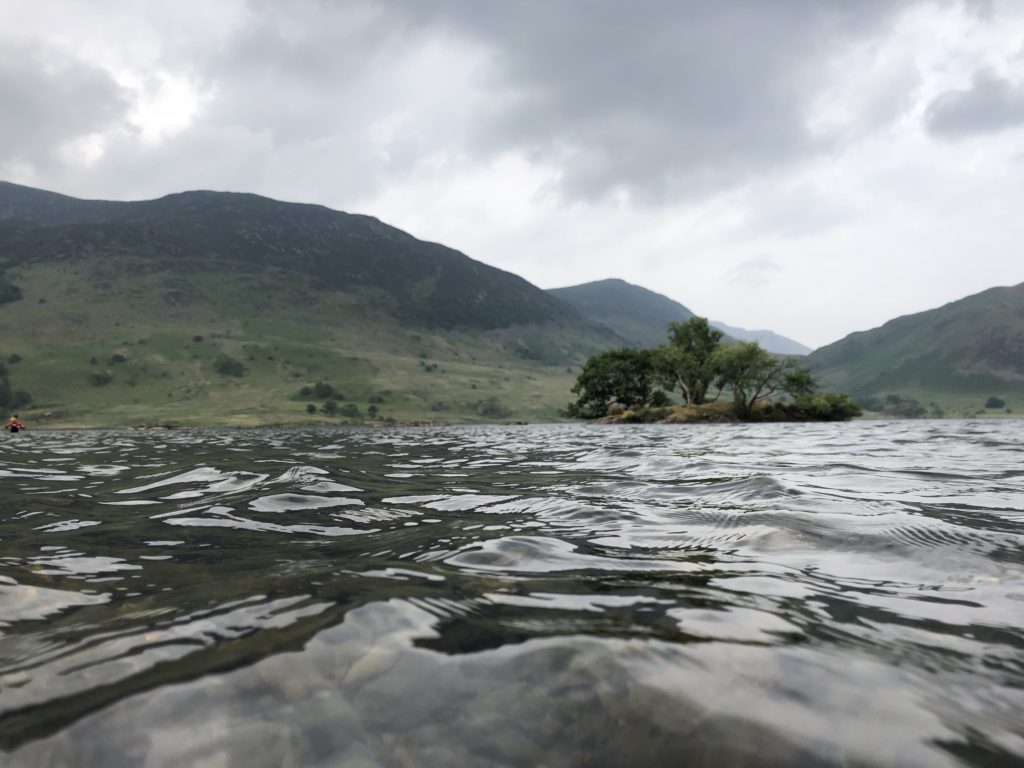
100	378
995	402
197	339
14	358
372	410
8	291
324	391
492	408
832	406
349	411
228	366
117	358
310	408
659	399
330	407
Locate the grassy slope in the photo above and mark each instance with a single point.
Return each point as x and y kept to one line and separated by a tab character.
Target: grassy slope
956	355
286	332
641	317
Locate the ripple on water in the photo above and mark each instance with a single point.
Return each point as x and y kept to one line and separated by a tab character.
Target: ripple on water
821	594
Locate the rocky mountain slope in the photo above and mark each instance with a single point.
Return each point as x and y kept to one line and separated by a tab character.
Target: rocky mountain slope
212	307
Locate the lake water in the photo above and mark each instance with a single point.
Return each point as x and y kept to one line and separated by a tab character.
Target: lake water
779	594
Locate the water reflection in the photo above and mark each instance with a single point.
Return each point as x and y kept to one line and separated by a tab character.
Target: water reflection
809	594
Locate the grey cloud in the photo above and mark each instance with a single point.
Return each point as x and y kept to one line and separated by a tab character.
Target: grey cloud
991	104
754	272
660	97
47	100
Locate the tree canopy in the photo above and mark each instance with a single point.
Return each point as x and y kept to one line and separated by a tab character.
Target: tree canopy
694	360
687	362
624	376
753	374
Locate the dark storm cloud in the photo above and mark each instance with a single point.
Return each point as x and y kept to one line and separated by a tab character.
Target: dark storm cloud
990	104
47	100
659	97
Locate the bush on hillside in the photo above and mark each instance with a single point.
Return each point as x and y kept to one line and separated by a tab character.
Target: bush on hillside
995	402
228	366
321	391
8	291
492	408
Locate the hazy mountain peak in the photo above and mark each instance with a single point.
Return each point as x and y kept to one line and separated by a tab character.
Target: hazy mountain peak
770	340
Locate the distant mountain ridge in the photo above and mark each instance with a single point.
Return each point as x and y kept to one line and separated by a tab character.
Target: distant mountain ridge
973	346
224	308
428	283
770	340
641	316
638	315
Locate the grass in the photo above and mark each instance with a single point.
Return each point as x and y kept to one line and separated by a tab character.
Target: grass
158	336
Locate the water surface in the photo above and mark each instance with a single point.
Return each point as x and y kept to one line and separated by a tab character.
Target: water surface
839	594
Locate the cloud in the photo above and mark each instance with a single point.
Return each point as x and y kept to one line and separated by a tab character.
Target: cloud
755	272
51	101
660	99
670	142
991	104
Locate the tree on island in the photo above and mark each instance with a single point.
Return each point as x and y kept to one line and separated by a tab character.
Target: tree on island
694	360
754	374
688	360
624	376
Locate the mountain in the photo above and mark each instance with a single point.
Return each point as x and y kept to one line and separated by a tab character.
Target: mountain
214	307
424	282
638	315
956	355
642	316
770	340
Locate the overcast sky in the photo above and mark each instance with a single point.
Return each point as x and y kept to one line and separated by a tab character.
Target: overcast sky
807	166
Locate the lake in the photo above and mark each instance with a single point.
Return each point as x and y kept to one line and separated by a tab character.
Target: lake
706	595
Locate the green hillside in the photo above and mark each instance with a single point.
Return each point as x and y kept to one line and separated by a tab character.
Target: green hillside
639	316
217	308
956	356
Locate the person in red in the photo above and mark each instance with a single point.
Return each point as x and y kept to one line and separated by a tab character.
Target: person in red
14	424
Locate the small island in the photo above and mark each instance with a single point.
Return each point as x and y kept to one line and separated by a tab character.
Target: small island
636	385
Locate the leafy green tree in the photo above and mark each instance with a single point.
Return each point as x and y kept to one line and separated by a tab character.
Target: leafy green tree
799	383
330	407
752	373
995	402
688	361
622	376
